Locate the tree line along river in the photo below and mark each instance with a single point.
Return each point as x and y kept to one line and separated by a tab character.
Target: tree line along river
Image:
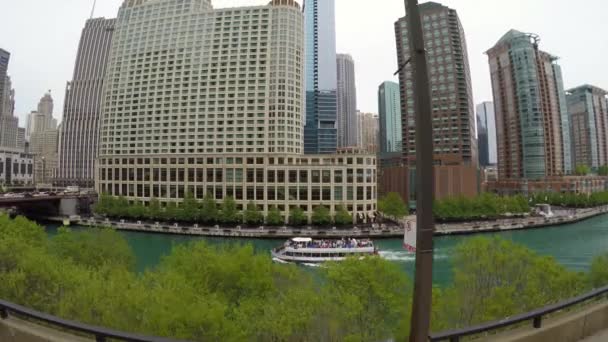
573	245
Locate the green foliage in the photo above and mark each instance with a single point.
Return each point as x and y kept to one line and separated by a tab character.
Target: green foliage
297	217
154	209
598	275
93	248
393	206
231	293
230	213
582	170
274	217
189	209
137	211
343	217
487	206
496	278
367	298
603	170
253	215
321	216
209	212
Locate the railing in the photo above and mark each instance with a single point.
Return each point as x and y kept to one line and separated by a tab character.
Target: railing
535	316
100	334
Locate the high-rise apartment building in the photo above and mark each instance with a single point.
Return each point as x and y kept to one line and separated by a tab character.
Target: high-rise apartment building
486	134
532	125
79	136
389	108
320	131
368	132
588	109
5	57
347	102
44	140
212	103
9	124
454	139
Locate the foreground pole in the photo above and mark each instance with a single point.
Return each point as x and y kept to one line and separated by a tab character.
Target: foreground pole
425	177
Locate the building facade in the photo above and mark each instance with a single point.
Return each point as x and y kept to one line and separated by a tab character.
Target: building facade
234	127
455	144
588	109
16	168
5	57
320	131
347	102
389	109
82	109
533	130
368	132
9	124
486	134
44	140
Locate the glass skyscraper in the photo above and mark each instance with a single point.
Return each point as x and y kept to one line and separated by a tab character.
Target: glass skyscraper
320	132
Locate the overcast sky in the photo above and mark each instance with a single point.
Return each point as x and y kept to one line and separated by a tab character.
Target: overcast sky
43	35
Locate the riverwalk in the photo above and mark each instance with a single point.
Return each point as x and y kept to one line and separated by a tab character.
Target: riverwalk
374	231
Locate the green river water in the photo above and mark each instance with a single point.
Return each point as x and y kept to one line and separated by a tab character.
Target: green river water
573	245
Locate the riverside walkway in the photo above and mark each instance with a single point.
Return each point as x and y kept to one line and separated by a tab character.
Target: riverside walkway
376	231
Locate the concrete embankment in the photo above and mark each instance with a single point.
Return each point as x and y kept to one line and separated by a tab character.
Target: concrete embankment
375	231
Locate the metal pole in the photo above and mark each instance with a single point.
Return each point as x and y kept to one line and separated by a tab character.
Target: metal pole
425	178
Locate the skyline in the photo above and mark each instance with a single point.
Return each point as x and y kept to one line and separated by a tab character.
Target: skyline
371	45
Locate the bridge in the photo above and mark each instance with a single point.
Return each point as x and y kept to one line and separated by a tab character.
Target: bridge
47	205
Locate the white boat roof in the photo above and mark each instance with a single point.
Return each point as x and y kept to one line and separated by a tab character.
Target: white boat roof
301	239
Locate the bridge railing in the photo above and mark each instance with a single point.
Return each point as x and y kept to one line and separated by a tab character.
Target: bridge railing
100	334
536	317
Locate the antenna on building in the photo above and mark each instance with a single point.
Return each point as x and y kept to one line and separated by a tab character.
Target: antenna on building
93	9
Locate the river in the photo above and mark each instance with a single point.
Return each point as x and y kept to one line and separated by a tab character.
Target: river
573	245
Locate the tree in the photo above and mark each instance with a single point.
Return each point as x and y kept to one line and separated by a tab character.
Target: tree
136	211
230	214
321	216
598	275
171	212
104	205
253	215
209	212
496	278
343	217
274	217
189	209
154	209
603	170
582	170
297	217
93	248
365	299
393	206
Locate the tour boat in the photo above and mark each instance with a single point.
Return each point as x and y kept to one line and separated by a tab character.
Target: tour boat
309	251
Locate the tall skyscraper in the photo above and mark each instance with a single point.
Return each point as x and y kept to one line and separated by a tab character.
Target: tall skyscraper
44	140
79	136
320	131
5	57
218	110
347	102
389	108
533	131
486	134
368	132
9	124
455	144
588	109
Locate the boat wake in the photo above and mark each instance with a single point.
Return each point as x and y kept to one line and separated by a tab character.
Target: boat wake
397	255
404	256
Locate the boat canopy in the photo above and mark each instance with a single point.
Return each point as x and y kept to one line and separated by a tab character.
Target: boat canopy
300	239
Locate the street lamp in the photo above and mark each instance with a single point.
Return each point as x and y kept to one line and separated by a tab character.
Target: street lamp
425	179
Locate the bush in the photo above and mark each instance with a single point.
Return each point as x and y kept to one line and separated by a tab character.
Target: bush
297	217
393	206
343	217
321	216
274	217
253	215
